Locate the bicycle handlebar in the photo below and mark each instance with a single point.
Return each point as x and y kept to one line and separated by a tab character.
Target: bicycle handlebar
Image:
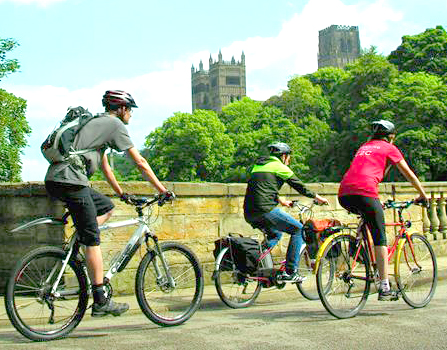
142	202
304	207
404	205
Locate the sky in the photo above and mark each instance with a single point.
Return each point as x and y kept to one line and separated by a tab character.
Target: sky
72	51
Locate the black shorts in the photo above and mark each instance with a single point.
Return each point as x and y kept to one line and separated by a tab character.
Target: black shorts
84	204
372	212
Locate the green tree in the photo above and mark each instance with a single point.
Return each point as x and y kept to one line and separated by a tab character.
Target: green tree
425	151
252	126
190	147
302	99
7	66
424	52
417	104
13	130
328	78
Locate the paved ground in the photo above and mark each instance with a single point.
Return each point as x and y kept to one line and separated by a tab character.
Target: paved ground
279	320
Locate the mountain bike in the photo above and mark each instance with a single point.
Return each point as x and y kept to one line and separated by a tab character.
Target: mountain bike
47	293
238	290
354	266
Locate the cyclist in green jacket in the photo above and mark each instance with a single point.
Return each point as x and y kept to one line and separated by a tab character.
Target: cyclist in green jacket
261	200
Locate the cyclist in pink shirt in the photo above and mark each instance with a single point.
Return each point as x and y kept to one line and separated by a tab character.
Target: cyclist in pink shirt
359	191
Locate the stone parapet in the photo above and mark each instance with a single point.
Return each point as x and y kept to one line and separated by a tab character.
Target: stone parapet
202	213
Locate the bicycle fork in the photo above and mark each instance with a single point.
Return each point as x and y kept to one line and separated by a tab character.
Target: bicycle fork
165	281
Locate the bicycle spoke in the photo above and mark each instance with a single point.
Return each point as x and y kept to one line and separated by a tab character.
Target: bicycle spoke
416	274
32	309
164	302
344	292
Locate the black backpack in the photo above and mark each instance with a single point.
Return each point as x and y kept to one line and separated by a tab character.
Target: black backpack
58	146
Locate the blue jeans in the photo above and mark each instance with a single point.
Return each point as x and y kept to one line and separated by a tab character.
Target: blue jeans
275	223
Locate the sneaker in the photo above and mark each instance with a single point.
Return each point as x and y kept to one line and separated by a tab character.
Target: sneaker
294	277
389	295
109	308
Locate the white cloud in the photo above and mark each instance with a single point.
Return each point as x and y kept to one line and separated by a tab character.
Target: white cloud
42	3
158	96
270	61
297	42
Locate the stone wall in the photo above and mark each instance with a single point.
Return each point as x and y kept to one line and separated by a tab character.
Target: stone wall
202	213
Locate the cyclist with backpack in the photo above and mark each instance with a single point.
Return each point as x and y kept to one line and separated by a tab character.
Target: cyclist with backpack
262	197
68	181
359	194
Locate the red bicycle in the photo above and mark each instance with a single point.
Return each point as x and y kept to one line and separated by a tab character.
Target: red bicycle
353	267
238	289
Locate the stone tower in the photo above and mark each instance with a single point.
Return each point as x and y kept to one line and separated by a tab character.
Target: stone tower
338	46
222	84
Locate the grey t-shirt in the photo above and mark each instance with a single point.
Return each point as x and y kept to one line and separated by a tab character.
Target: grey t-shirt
100	133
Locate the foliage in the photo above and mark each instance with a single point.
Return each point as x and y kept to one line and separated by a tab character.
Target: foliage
302	99
252	126
13	130
190	147
328	78
7	66
424	52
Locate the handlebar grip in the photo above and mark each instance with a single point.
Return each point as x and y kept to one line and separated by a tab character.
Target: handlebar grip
165	197
422	201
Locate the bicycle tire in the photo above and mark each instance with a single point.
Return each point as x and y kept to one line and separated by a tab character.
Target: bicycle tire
344	292
233	288
162	303
28	298
416	274
308	288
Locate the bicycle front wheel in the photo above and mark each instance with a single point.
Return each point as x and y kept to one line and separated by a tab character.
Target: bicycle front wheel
308	288
169	296
234	289
344	287
33	309
416	271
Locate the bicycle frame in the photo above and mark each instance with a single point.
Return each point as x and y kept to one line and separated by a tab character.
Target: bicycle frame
362	232
301	209
118	262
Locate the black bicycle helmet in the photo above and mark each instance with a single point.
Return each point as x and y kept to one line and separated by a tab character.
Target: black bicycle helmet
383	128
118	98
279	148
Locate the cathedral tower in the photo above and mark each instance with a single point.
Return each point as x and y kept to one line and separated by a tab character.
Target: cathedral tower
222	84
338	46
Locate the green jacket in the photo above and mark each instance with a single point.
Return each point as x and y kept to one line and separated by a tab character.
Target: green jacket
266	179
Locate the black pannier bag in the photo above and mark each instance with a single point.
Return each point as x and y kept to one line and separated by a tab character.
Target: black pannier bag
226	262
245	252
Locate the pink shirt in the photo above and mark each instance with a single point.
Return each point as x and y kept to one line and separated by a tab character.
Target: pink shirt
368	167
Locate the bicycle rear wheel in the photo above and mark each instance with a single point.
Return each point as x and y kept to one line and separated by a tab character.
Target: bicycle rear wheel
169	299
33	310
343	288
235	290
416	271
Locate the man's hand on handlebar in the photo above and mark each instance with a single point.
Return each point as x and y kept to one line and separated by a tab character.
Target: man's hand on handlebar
422	200
321	200
285	202
164	197
128	198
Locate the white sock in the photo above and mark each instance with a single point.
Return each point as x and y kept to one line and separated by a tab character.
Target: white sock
385	285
